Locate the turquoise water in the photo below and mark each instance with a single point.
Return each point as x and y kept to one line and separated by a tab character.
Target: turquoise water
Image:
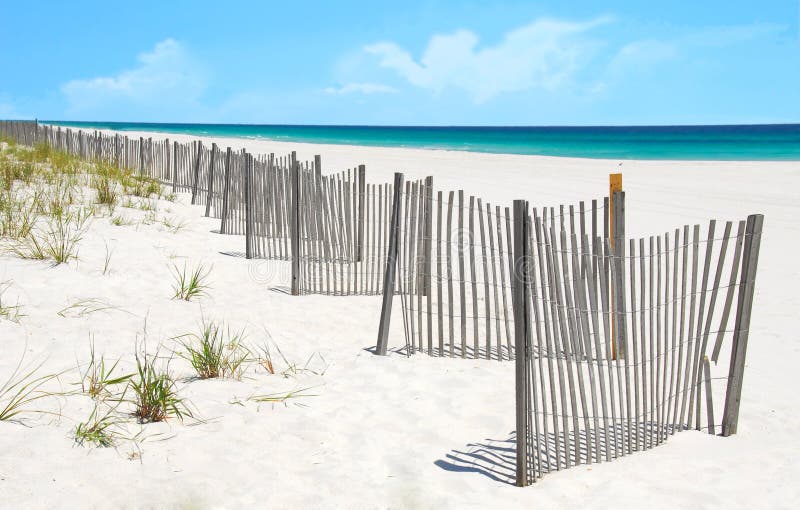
775	142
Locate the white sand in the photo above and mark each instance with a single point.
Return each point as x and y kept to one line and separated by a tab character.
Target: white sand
380	430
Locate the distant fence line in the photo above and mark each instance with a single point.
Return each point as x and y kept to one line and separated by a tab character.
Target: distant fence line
332	227
618	343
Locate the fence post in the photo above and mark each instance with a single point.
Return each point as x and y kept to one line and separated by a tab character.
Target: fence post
197	172
141	156
210	193
318	165
223	229
362	177
295	228
520	296
741	331
174	166
150	162
248	206
390	273
617	241
423	256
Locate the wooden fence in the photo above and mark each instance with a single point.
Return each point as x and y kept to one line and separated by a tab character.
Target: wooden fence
453	270
334	228
619	343
588	393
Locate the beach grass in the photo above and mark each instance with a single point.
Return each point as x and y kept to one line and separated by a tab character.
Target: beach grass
155	393
98	429
8	312
217	351
190	284
22	388
98	378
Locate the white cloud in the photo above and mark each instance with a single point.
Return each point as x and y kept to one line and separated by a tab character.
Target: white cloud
361	88
642	54
164	79
8	111
543	54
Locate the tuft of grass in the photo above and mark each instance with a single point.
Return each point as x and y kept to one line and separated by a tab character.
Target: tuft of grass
17	214
97	429
293	369
98	378
106	190
149	218
140	185
172	225
57	240
216	351
155	394
190	284
84	307
264	358
8	312
22	388
147	205
120	220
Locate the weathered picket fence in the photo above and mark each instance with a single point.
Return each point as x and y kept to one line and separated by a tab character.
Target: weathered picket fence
617	341
334	228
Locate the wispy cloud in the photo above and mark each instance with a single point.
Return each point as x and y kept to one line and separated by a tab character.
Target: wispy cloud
361	88
165	77
9	111
543	54
642	54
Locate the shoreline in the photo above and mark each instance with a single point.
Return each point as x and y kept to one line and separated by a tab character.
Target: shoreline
267	140
681	191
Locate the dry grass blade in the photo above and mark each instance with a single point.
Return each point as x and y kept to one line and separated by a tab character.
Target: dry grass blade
22	388
84	307
282	397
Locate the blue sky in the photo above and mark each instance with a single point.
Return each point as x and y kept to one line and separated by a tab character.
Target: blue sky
403	63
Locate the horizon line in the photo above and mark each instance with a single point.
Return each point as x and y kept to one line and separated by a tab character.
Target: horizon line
519	126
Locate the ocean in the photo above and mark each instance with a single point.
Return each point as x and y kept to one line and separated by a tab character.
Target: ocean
772	142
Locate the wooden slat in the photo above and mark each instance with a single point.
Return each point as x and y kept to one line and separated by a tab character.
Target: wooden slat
439	293
495	282
726	309
461	273
486	297
451	313
697	359
503	280
390	274
634	346
690	343
548	355
733	395
473	279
